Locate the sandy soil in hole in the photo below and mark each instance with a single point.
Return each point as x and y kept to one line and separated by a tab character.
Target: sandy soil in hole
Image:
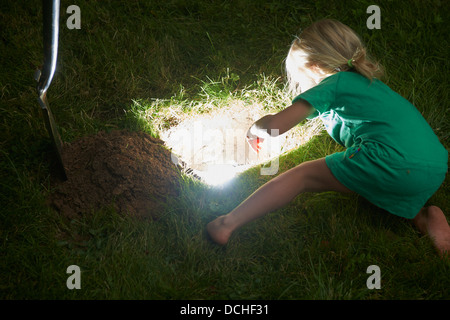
219	138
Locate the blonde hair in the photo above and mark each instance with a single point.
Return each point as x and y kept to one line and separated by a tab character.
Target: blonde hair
331	46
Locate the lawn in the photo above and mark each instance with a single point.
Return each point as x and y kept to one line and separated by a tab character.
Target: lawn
134	61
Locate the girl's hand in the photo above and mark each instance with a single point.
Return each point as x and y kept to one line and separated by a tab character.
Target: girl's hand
254	141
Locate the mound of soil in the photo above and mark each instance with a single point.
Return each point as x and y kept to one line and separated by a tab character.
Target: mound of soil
130	171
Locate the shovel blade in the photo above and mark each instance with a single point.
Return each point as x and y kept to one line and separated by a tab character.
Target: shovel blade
54	135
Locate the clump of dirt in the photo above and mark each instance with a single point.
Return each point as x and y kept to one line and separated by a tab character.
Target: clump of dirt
131	171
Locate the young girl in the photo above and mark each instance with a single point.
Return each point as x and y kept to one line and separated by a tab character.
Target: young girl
392	158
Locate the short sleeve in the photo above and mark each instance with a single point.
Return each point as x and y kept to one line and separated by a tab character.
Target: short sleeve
321	97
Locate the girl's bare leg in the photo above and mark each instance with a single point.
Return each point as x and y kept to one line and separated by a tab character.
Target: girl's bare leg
312	176
431	221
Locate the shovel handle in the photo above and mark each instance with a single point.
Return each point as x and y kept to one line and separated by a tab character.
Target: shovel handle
51	31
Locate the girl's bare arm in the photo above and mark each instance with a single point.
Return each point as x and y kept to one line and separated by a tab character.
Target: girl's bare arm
282	121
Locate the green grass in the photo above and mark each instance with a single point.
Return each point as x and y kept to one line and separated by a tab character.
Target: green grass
136	59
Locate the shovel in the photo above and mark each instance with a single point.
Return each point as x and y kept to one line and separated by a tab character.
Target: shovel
44	77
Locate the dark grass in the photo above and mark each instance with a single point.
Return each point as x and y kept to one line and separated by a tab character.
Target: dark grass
318	247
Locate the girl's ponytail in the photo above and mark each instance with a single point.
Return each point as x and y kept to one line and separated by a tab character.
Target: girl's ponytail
364	65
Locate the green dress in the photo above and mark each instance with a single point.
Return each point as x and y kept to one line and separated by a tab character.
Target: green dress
393	158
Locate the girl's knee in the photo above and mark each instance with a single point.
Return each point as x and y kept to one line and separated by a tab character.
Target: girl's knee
317	177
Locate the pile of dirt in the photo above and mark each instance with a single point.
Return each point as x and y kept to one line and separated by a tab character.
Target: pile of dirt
130	171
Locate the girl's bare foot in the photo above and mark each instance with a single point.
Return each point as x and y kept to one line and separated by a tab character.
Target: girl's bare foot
218	230
431	221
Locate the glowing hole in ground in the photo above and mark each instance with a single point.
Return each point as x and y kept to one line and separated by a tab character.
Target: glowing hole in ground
213	146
